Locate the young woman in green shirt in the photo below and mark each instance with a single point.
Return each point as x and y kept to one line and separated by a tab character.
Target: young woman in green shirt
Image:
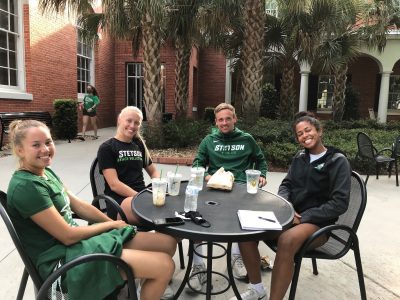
41	207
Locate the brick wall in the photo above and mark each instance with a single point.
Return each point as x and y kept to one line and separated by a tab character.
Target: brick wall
105	81
364	73
211	79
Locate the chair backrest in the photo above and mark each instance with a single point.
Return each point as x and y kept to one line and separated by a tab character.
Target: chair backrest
97	181
358	201
365	147
29	266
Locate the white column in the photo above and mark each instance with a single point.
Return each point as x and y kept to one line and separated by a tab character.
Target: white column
305	70
383	97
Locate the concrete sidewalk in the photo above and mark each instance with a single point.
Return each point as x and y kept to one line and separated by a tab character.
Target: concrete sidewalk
378	233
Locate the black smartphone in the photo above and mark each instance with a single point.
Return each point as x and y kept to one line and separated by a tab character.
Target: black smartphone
174	221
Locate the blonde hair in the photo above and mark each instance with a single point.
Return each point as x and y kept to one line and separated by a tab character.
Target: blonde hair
137	111
223	106
18	129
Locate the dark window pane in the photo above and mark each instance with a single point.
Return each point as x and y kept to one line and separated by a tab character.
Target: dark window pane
87	76
130	70
13	7
13	23
79	50
3	39
3	76
13	60
77	87
13	77
83	74
3	4
3	58
3	20
12	41
78	74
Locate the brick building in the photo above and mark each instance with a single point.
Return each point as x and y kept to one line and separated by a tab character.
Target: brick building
43	58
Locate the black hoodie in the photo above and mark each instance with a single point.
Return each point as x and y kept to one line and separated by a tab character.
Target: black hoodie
319	191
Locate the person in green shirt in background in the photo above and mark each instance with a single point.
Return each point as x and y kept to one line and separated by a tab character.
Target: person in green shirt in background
236	151
88	107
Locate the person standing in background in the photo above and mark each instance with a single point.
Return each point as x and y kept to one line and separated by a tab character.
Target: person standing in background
88	107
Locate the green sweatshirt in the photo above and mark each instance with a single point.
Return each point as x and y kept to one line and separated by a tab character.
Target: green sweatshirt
236	151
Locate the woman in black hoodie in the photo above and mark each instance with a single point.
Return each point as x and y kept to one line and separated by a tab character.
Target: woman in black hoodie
318	186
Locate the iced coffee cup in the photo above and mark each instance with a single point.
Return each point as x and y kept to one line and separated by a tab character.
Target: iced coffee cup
159	187
198	173
252	177
174	183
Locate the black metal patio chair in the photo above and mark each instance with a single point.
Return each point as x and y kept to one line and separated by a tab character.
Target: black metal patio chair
342	237
367	152
110	206
42	287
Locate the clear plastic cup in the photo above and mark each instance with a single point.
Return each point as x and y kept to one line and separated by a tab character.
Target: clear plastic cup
174	183
252	177
198	173
159	187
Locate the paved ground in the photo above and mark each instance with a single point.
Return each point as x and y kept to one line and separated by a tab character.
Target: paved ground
378	233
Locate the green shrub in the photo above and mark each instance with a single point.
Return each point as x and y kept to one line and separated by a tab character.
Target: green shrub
65	119
176	133
269	107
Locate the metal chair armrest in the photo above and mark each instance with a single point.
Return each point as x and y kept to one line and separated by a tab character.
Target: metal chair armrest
112	203
43	291
385	150
327	230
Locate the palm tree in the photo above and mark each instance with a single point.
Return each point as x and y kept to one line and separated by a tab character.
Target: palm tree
183	31
251	58
140	21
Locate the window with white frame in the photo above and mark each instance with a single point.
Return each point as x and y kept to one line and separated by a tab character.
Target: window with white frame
134	85
271	7
84	64
9	44
325	92
394	92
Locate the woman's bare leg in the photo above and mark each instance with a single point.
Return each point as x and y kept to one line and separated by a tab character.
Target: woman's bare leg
150	256
289	242
85	120
93	121
156	268
126	206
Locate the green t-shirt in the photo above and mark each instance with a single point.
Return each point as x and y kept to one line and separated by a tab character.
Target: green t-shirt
29	194
89	101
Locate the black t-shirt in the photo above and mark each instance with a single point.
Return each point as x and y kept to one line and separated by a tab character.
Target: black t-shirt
128	159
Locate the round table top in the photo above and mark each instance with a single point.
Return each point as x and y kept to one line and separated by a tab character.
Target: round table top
225	225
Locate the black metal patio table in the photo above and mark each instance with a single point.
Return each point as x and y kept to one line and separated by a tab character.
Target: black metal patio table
220	209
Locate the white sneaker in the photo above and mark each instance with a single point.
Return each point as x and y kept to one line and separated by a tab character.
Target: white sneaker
238	269
168	293
251	294
197	281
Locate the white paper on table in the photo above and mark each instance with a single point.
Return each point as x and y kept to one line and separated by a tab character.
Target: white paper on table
253	220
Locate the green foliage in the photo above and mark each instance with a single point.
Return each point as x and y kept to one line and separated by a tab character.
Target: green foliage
176	134
65	119
270	102
277	141
209	115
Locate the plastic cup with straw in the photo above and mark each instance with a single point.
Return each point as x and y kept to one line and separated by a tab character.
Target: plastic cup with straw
198	173
159	190
252	178
174	182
